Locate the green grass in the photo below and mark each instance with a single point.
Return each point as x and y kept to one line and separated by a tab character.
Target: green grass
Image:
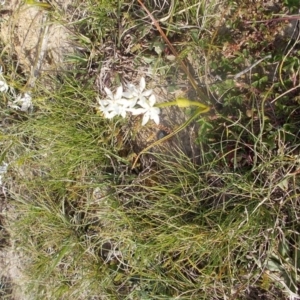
89	227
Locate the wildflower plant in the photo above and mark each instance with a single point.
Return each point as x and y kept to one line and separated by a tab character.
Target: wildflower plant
135	100
22	102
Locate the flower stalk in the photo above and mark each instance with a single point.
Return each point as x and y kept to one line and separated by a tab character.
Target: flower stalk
137	101
182	103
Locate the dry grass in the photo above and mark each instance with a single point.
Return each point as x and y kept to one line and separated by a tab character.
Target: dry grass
210	214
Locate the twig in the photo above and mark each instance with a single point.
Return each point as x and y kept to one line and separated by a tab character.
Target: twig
250	68
40	52
200	93
286	92
292	17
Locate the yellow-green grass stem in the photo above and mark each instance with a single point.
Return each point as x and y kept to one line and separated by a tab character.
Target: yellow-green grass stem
201	110
182	102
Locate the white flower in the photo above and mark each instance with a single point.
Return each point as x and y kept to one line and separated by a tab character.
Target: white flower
120	103
107	110
136	94
3	84
22	103
117	99
3	168
114	98
115	105
122	109
148	109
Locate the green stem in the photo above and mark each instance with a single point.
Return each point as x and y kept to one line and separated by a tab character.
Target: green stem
181	102
166	104
199	111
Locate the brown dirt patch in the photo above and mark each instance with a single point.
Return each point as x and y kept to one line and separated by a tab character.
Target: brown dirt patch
35	37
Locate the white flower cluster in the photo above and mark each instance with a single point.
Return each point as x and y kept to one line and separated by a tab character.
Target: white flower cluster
135	100
22	101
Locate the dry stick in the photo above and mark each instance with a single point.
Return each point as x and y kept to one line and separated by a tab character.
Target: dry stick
286	92
41	50
200	93
290	50
292	17
251	67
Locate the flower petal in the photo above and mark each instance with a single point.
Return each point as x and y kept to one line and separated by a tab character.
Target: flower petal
130	86
155	118
123	113
152	100
119	93
102	102
110	115
144	103
145	119
147	93
142	84
109	93
137	111
130	103
128	94
3	86
155	110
